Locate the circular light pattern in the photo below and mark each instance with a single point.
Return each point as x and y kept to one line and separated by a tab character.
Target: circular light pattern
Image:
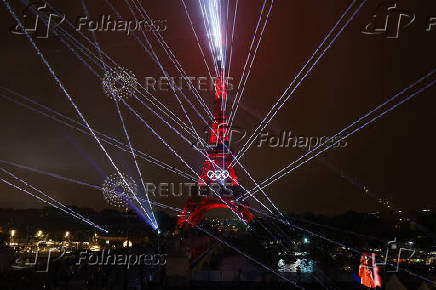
119	83
217	174
116	192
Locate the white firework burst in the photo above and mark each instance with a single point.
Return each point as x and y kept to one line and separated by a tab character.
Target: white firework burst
118	191
119	83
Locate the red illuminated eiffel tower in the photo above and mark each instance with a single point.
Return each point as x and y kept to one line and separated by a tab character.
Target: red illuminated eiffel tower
217	172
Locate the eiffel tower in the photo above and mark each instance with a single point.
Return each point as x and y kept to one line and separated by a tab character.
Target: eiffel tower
218	176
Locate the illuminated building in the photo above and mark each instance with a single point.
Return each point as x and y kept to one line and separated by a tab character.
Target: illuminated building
218	176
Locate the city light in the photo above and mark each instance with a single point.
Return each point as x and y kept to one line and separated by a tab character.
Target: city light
127	244
305	240
39	233
67	234
94	248
13	232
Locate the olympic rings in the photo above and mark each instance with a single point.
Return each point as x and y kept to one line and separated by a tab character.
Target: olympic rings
217	174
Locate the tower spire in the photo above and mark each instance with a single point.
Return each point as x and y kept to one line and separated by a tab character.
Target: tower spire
217	166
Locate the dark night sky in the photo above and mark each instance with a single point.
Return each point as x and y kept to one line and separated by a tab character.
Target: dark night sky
394	156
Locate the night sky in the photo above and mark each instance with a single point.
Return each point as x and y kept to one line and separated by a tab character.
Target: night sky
394	156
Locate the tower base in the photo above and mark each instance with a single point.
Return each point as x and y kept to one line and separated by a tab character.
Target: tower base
206	200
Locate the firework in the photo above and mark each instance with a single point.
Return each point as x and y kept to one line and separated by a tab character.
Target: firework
117	191
119	83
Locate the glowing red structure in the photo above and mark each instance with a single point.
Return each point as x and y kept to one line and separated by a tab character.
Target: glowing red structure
216	171
368	271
